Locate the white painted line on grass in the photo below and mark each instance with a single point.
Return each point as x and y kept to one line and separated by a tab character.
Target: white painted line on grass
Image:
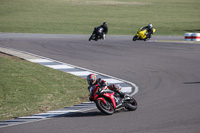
63	111
32	117
91	102
49	113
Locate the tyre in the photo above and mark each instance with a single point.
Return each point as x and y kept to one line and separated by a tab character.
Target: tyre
146	39
105	108
90	38
135	38
132	105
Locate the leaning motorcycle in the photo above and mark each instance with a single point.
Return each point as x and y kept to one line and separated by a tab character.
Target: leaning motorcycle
142	34
108	101
96	35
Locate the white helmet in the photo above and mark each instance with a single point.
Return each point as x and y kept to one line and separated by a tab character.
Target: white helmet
150	26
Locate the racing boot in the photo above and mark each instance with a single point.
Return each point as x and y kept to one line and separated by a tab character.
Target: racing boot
127	97
104	37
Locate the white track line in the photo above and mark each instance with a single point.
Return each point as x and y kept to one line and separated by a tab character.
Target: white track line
39	60
59	66
81	73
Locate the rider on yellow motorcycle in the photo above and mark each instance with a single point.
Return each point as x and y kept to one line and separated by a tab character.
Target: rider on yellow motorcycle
149	28
144	33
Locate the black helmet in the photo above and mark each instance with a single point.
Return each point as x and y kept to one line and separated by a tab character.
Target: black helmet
104	23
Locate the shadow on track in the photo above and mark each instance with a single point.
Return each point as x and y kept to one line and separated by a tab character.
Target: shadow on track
85	114
92	114
191	83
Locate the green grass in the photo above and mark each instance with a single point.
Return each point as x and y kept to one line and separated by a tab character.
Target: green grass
169	17
27	88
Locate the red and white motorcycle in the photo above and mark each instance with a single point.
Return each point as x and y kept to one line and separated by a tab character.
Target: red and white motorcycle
107	101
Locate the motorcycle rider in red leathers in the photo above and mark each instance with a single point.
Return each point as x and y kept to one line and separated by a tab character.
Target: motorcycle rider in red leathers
94	83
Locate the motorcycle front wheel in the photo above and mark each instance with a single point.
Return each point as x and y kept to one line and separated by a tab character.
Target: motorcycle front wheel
105	108
131	105
90	38
135	38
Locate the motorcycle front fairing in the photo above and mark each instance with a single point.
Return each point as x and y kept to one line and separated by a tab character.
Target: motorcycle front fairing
111	96
108	94
142	33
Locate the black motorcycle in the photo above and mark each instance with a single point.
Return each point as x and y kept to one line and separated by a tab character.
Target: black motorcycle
97	34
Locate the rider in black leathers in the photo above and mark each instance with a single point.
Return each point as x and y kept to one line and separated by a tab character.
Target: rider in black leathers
149	30
105	30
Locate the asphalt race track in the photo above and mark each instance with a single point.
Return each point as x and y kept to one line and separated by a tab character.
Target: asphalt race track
167	74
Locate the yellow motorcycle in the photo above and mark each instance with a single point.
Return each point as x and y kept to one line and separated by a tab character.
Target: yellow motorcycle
142	34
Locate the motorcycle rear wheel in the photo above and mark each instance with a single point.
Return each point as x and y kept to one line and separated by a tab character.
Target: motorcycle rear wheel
105	108
132	105
146	39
